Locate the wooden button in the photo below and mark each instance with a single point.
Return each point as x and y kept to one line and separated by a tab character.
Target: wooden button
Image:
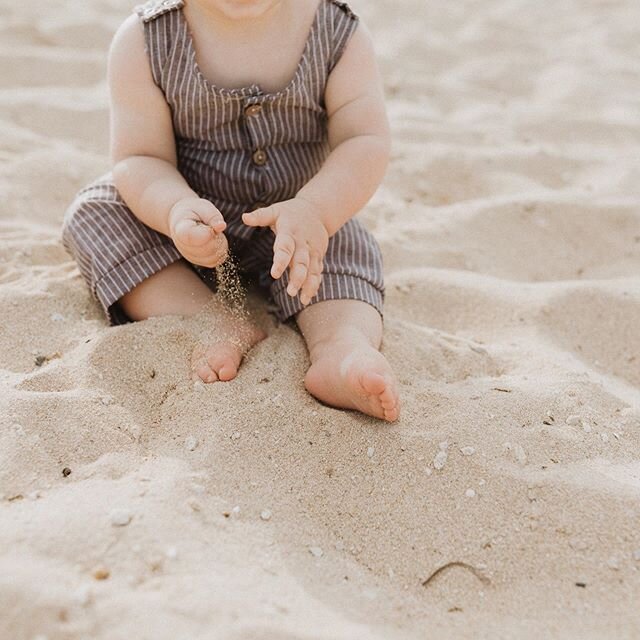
252	110
260	157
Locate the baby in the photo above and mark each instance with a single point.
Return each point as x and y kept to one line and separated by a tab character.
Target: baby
255	127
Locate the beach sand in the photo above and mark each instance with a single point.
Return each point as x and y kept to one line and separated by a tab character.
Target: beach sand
510	226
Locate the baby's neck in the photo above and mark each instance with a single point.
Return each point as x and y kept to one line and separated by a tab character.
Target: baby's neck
221	14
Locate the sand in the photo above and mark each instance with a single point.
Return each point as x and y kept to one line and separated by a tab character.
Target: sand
510	226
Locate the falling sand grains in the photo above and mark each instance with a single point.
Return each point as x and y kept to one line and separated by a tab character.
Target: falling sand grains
230	287
225	317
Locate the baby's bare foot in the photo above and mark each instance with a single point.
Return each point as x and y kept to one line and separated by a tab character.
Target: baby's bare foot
359	378
218	357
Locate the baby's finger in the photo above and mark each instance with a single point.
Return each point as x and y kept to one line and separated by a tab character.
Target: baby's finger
315	264
299	270
310	288
260	217
314	278
283	249
209	215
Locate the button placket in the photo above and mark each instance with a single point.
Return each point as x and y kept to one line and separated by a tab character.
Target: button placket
252	112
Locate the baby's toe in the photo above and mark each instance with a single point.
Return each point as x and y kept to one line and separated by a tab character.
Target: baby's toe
372	383
206	373
227	371
224	360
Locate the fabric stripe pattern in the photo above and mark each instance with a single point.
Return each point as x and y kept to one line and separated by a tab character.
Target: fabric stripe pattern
239	148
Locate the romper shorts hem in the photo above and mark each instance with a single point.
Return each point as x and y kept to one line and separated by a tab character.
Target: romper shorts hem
334	287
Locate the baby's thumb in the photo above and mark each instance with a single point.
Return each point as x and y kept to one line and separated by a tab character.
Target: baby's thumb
192	233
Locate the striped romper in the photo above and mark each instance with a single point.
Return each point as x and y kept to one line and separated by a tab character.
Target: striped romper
239	148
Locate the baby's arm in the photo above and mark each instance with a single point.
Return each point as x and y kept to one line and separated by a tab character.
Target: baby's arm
360	145
358	135
143	154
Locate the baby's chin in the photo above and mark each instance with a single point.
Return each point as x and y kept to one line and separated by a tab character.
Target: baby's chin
242	9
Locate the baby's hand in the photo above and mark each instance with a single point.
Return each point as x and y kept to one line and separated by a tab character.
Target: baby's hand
196	228
301	244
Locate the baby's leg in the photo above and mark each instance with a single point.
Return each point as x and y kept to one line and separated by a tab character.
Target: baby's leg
347	369
224	336
131	268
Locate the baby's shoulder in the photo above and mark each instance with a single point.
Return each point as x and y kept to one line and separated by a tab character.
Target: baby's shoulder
153	9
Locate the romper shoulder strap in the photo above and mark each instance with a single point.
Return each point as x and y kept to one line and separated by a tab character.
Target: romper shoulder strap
161	23
345	8
153	9
344	23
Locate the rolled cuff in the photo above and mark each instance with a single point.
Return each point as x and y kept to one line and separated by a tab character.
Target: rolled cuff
333	287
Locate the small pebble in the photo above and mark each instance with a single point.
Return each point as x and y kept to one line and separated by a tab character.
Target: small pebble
40	360
120	517
57	317
18	429
604	437
236	436
440	460
171	553
316	552
520	454
106	401
191	443
370	452
573	420
470	493
265	515
235	511
467	451
101	572
443	446
586	427
578	545
613	563
194	504
66	472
